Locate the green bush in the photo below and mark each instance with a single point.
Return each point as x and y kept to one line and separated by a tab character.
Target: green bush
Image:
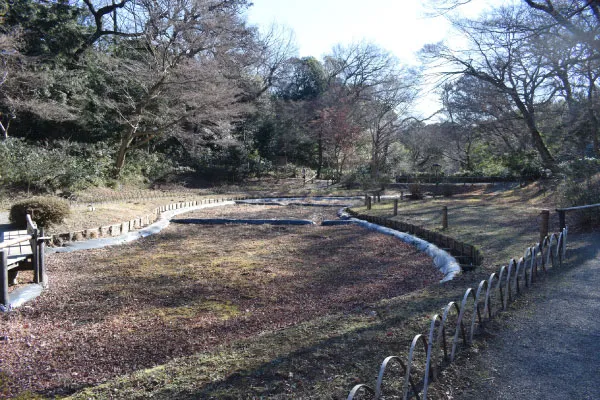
62	165
579	192
361	178
143	167
580	169
44	211
358	178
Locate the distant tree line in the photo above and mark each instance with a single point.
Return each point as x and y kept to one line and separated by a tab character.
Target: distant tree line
95	91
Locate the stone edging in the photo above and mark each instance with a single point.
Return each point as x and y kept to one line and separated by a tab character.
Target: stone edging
125	227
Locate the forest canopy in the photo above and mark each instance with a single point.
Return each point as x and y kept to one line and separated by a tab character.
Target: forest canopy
94	92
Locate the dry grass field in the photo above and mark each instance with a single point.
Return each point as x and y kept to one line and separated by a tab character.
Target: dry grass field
236	311
193	289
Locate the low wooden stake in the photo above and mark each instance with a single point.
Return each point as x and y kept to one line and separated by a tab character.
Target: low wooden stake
544	224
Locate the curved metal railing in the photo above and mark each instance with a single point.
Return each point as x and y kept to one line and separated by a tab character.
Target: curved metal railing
510	281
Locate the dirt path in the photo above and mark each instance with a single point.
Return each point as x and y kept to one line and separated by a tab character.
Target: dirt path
548	347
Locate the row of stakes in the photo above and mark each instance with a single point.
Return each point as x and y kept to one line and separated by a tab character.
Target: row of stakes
508	282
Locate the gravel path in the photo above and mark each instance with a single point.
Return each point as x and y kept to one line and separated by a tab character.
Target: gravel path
549	347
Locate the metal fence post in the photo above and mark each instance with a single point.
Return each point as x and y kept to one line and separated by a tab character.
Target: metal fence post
395	207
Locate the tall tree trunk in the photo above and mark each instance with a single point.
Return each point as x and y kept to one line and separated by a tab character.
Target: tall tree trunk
375	149
374	166
593	119
468	160
536	137
122	153
594	130
320	153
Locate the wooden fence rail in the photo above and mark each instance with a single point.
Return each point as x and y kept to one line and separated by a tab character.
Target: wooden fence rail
562	213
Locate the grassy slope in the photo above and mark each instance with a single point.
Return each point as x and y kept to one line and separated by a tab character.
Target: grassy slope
502	223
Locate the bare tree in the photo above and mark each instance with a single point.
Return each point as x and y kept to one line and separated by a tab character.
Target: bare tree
476	111
359	66
423	145
379	90
8	55
338	132
502	55
580	17
105	13
273	50
183	76
385	115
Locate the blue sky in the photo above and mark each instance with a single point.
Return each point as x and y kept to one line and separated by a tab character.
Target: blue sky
399	26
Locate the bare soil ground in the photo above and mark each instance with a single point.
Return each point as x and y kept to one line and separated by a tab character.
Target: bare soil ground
320	356
108	213
190	289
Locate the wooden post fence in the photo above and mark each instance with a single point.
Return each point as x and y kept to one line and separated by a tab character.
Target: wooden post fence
3	277
41	267
561	219
544	224
562	213
395	207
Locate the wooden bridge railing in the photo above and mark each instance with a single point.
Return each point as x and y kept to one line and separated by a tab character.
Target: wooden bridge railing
33	260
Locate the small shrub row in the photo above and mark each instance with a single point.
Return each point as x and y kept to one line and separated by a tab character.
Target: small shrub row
70	166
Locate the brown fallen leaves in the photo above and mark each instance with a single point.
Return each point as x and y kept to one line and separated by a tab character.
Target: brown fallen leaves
188	289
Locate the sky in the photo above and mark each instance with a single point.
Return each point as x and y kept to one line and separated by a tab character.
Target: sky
399	26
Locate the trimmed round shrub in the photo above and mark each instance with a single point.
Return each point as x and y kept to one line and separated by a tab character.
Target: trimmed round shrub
44	211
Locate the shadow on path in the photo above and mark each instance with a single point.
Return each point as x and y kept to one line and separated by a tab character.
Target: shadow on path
548	345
